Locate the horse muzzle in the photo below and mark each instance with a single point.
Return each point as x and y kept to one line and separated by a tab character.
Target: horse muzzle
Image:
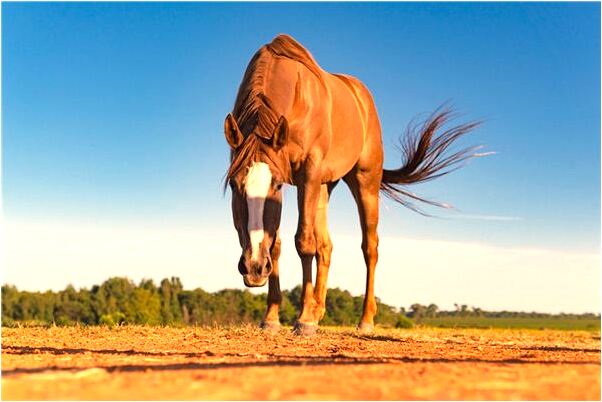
254	281
254	273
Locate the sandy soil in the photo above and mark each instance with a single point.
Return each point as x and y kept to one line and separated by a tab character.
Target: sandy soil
246	363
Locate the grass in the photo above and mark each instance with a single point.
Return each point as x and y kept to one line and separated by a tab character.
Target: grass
553	323
572	324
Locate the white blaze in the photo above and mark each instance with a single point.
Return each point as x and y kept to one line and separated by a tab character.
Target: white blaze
257	186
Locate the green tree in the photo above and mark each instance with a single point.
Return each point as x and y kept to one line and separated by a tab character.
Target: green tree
418	311
147	306
171	311
10	299
73	306
115	295
431	310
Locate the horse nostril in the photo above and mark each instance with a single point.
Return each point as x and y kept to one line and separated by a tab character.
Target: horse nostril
257	268
242	268
267	267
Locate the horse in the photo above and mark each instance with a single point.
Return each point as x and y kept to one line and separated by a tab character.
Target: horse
294	123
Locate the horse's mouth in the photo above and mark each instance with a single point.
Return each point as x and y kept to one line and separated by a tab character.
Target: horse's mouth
253	281
258	279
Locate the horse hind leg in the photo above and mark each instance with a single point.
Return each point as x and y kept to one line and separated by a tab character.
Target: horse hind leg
364	185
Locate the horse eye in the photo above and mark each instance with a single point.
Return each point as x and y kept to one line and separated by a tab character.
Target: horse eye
236	187
278	186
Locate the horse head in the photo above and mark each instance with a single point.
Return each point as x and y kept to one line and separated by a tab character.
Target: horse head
256	178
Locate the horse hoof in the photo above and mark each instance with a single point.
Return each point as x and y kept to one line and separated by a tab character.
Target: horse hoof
365	328
305	329
270	326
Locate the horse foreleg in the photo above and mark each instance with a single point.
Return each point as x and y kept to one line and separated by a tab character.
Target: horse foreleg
308	196
323	250
271	320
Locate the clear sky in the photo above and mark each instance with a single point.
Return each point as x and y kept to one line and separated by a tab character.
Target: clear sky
113	150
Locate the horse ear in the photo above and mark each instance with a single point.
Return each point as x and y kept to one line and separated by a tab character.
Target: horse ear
232	132
280	133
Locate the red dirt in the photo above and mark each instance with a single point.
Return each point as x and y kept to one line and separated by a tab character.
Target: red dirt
245	363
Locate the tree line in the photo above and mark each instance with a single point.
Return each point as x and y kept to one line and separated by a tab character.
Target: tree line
121	301
419	311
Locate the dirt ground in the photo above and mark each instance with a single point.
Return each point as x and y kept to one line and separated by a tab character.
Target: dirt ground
245	363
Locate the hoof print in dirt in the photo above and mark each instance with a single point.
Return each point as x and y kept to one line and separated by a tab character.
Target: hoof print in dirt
365	328
272	327
303	329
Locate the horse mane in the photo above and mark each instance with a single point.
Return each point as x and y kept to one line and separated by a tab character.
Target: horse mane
254	111
285	46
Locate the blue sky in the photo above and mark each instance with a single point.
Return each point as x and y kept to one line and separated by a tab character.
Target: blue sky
113	114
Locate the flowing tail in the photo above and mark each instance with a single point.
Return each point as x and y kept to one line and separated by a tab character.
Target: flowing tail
424	158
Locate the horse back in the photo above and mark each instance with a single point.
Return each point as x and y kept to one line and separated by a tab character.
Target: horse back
353	128
329	115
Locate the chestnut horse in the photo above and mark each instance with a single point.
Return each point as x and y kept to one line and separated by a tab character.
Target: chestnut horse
294	123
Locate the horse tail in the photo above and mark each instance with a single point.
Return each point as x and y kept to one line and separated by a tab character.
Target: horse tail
425	157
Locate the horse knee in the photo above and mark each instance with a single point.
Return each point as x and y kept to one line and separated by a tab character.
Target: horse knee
276	248
324	250
305	242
